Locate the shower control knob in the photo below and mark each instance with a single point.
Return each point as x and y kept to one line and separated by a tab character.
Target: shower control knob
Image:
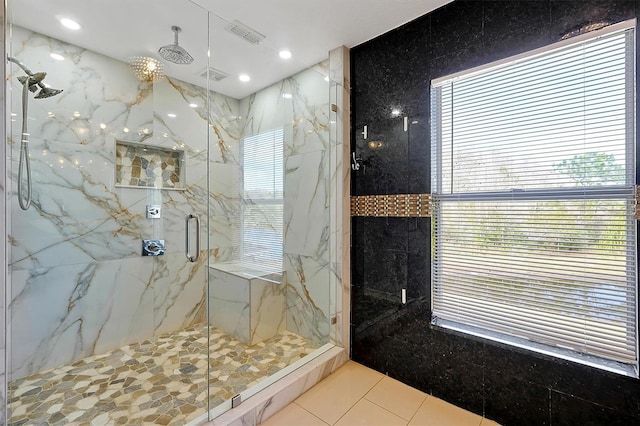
153	211
152	247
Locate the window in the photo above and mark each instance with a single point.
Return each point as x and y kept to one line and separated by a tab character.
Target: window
533	173
262	201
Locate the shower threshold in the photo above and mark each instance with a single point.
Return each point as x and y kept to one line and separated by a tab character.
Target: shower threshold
158	381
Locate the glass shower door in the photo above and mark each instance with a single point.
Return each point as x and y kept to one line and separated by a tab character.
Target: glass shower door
270	257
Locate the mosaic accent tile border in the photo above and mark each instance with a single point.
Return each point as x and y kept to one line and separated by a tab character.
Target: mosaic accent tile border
160	381
146	166
395	205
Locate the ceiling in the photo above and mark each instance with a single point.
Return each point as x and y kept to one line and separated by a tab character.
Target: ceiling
309	29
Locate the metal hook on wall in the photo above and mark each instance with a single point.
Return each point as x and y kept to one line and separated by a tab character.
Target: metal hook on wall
355	163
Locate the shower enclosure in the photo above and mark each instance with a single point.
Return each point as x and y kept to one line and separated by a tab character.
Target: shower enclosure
179	248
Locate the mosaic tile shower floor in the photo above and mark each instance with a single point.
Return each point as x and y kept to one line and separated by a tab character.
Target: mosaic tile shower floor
160	381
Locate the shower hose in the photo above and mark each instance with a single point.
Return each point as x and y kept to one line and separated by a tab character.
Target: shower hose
24	164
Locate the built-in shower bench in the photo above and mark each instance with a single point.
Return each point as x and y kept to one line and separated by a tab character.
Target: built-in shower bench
246	302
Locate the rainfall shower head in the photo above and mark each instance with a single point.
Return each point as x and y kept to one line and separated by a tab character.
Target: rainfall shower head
34	80
174	53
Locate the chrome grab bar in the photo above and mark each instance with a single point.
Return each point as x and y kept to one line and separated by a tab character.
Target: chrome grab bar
187	241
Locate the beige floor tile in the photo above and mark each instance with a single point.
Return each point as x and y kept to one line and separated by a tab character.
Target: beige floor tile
293	415
334	396
396	397
369	414
487	422
436	412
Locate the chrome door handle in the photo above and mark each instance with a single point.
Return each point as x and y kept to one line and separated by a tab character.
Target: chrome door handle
187	241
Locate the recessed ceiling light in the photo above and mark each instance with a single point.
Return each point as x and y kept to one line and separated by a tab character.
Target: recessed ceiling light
69	23
285	54
395	112
244	78
193	105
172	115
287	95
57	57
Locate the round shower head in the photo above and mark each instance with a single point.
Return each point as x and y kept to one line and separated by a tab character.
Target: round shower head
174	53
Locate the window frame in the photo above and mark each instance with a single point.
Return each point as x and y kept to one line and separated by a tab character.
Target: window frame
246	200
529	194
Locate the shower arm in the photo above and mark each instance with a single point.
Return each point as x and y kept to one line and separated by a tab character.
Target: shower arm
26	70
25	203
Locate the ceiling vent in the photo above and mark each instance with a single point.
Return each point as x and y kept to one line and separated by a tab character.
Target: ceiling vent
241	30
214	74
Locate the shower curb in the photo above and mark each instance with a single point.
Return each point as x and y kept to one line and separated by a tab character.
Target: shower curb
266	403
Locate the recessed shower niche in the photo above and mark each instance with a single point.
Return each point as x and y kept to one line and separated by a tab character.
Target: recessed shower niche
147	166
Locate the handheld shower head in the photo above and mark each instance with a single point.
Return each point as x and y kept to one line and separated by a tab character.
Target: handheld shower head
38	77
31	84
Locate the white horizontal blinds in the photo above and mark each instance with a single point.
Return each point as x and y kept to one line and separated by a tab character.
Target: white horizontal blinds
515	125
525	269
262	207
533	173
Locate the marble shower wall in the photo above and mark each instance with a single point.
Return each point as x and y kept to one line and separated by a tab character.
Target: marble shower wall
304	116
78	283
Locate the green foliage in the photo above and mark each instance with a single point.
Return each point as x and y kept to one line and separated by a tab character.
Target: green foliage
592	169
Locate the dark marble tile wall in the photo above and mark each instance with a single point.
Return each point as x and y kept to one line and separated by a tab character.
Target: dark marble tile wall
393	71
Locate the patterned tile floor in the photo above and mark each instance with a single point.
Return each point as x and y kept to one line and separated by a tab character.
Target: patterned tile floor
160	381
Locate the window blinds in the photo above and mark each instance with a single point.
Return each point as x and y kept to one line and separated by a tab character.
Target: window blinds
533	168
262	201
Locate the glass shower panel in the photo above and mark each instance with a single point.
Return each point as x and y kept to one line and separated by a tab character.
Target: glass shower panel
118	161
381	285
270	257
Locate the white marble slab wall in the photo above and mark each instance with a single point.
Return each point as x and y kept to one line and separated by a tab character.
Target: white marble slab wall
78	283
300	105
